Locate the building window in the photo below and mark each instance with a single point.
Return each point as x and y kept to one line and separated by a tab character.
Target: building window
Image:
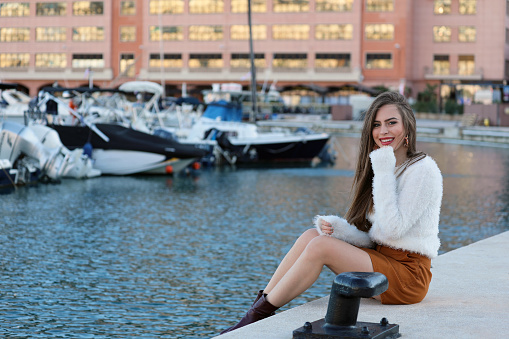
290	6
441	33
333	5
240	6
127	33
290	32
326	60
82	8
466	64
441	64
170	33
507	36
15	34
169	61
205	61
14	60
50	60
205	33
334	32
14	9
468	7
51	34
206	6
127	65
241	32
51	9
442	7
379	32
87	61
127	7
295	61
166	6
379	5
91	33
242	60
379	61
466	34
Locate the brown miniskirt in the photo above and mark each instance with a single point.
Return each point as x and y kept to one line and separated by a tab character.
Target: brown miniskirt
408	273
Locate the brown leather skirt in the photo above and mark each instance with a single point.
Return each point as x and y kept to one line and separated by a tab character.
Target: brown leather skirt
409	274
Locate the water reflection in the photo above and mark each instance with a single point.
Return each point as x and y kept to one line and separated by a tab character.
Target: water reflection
181	257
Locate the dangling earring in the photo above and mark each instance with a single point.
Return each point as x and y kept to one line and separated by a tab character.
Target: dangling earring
406	141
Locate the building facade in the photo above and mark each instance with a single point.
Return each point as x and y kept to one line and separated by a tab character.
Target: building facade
327	45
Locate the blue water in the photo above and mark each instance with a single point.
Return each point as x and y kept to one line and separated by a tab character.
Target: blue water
183	257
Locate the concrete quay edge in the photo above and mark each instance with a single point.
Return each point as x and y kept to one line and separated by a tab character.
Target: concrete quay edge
468	298
427	130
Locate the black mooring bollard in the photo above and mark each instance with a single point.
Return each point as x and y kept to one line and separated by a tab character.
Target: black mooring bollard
341	319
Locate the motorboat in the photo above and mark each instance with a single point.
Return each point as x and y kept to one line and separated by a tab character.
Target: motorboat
221	131
29	154
115	147
13	103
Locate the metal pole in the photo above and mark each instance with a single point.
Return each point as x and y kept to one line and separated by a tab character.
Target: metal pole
254	99
161	50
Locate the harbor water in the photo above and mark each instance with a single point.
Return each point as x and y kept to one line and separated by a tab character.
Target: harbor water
183	257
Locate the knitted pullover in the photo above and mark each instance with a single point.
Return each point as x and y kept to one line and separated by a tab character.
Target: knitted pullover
406	208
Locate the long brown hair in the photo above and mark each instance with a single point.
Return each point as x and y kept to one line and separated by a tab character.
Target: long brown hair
362	187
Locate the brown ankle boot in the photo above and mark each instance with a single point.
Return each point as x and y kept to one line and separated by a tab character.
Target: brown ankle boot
260	310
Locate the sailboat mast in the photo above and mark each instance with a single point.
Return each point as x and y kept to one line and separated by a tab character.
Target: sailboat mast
254	98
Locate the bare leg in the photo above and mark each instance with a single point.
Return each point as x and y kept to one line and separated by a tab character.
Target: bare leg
338	255
291	257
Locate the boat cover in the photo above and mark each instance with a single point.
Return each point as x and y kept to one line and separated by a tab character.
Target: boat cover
225	111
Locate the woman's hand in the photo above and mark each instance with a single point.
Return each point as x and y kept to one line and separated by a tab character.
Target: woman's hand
326	227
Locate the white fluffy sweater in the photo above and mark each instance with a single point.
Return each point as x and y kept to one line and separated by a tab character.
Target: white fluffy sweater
406	208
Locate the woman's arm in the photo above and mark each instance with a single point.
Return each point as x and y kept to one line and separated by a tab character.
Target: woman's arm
396	212
343	230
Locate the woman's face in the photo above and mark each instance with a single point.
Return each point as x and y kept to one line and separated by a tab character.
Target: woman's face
388	130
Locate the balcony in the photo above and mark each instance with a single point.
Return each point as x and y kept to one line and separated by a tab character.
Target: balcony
454	74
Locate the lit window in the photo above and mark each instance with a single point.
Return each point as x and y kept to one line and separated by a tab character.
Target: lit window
169	61
82	8
468	6
379	61
15	34
442	7
14	9
127	7
295	61
51	9
242	60
170	33
333	5
466	64
466	33
206	6
241	32
127	33
441	65
127	65
14	60
325	60
379	5
166	6
205	61
441	33
205	33
334	32
290	6
91	33
87	61
51	34
290	32
50	60
379	32
240	6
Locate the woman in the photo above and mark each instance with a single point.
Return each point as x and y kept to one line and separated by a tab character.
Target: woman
391	226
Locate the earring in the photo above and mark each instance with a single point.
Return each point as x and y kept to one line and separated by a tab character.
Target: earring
406	141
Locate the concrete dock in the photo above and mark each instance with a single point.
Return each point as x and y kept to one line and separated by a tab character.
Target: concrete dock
468	298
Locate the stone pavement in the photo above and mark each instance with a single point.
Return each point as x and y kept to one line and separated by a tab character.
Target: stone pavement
468	298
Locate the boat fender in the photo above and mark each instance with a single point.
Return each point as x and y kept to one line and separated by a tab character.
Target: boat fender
87	149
